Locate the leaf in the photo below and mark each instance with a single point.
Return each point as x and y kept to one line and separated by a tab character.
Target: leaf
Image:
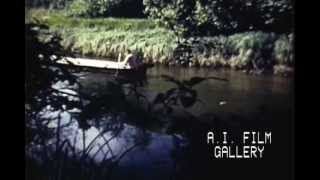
159	98
194	81
188	98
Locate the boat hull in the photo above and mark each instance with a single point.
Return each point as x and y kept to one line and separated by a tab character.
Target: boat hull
106	66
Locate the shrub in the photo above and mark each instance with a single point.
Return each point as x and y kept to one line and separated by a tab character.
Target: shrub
87	8
52	4
283	50
253	48
222	17
78	8
104	8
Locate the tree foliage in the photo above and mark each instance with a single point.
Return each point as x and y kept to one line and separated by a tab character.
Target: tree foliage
203	17
103	8
52	4
42	73
193	18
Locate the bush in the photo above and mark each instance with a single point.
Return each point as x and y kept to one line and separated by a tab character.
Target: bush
78	8
283	50
87	8
52	4
176	15
192	18
222	17
249	50
104	8
253	48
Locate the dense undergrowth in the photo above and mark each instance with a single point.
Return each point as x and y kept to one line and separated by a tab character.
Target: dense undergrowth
107	37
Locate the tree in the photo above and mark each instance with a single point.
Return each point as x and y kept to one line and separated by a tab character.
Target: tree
204	17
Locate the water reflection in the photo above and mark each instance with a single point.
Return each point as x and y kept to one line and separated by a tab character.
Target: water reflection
108	140
118	146
244	94
108	146
113	141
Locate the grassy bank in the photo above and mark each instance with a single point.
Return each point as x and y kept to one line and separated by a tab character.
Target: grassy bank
107	37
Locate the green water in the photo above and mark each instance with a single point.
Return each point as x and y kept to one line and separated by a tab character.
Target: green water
243	94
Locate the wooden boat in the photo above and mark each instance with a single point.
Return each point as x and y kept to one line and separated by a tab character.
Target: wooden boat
116	67
94	63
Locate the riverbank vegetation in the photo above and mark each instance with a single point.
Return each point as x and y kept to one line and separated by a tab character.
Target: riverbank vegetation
107	37
207	40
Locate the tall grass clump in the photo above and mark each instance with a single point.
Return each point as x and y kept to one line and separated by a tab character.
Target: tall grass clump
248	50
251	49
109	44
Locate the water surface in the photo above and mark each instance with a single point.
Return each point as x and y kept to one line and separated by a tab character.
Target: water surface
156	153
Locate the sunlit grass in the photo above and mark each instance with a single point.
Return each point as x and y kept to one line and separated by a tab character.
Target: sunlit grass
59	18
107	37
111	43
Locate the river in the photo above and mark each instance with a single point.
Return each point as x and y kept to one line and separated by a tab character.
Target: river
157	153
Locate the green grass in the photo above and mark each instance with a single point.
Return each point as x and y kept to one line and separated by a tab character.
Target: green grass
59	19
107	37
246	50
92	42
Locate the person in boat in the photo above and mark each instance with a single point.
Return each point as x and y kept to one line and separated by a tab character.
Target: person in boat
133	60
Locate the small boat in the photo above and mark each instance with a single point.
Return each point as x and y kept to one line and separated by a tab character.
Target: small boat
94	63
117	67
